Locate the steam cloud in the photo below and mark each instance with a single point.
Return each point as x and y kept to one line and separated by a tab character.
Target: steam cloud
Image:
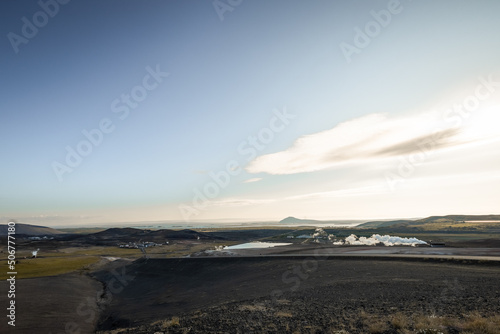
319	233
375	239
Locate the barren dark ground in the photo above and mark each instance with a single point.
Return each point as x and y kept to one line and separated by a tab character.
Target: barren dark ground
54	304
286	295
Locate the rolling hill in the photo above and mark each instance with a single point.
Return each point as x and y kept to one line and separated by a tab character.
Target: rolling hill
32	230
439	222
135	234
293	220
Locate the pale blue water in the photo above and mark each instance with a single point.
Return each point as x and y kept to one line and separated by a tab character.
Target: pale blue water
257	244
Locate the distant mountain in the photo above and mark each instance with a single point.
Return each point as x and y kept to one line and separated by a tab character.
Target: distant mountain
293	220
28	229
429	222
375	224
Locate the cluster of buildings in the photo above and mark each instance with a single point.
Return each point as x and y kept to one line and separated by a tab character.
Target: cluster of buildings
41	238
145	244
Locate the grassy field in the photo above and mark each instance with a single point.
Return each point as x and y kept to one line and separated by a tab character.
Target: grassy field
61	261
64	260
50	266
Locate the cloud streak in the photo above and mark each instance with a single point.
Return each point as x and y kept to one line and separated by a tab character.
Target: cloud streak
255	179
370	138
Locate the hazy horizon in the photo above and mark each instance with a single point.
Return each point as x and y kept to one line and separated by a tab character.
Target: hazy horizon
212	223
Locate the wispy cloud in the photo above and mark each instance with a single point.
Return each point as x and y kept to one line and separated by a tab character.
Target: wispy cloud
255	179
350	192
347	192
374	137
232	202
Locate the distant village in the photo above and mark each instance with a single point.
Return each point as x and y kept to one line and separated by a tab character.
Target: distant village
144	244
41	238
139	245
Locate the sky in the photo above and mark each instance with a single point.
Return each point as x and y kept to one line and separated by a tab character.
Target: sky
237	110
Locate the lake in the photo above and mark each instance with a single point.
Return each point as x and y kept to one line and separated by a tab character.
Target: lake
257	244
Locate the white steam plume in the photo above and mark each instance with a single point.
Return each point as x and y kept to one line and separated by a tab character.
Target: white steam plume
375	239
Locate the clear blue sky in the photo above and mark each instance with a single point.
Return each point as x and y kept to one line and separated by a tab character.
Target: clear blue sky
355	115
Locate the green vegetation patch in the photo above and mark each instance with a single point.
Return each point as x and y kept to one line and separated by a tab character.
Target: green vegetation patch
51	266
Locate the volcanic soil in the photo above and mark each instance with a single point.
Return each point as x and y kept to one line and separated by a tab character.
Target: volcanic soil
297	295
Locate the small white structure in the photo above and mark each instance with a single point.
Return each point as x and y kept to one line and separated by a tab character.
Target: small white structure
34	253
